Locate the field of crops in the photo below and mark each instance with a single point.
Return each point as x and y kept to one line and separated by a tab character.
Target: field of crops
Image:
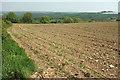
70	50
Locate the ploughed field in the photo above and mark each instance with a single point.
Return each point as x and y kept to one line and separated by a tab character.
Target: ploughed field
70	50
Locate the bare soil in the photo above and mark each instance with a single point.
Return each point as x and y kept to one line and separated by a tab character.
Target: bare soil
79	50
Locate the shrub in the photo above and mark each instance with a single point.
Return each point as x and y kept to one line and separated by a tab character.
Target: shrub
59	21
76	20
45	19
28	18
11	16
118	19
68	20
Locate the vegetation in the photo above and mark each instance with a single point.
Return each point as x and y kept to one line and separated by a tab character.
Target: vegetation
11	16
118	19
76	20
38	18
16	63
45	19
28	18
36	22
68	20
98	17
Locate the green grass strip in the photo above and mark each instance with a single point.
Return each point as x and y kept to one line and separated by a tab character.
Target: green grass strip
16	63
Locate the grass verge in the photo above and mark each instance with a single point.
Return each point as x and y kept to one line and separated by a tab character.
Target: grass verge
15	61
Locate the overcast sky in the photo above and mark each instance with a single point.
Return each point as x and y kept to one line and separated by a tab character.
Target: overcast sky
59	0
60	5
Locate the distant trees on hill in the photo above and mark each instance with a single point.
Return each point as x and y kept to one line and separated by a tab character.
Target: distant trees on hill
68	20
45	19
28	18
56	21
76	20
72	20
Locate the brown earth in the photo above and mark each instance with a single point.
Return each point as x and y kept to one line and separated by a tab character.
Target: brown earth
70	50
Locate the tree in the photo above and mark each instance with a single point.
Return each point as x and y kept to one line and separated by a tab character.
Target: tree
76	20
11	16
68	20
118	19
45	19
4	17
59	21
28	18
56	21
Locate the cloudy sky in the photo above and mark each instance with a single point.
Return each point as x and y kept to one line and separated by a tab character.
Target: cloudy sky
60	5
59	0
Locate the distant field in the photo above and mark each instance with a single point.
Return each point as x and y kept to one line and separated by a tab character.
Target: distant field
70	50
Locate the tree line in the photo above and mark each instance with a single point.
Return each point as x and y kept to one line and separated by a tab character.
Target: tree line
29	18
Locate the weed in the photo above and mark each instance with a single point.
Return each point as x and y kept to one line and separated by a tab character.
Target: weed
35	51
62	51
56	47
76	43
63	64
57	70
83	67
59	54
51	50
40	70
50	63
70	60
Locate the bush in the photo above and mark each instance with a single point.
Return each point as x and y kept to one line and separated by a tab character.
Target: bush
45	19
68	20
28	18
8	22
56	21
76	20
59	21
118	19
4	17
53	21
11	16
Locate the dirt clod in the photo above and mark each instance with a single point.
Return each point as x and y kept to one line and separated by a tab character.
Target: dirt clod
111	66
87	74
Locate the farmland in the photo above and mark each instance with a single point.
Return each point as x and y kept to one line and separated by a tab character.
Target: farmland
70	50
